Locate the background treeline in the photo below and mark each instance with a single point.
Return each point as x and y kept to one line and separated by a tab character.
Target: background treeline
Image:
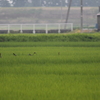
46	3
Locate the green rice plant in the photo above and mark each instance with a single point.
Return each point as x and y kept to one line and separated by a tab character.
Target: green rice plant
74	74
49	44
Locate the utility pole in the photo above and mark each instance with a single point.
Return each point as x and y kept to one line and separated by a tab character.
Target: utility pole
99	8
70	1
81	15
61	10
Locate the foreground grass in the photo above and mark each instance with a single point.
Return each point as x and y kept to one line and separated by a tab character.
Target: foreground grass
72	75
49	44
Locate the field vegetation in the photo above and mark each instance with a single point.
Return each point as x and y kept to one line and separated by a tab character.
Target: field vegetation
70	37
57	71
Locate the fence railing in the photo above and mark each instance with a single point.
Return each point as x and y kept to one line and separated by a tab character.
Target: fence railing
36	28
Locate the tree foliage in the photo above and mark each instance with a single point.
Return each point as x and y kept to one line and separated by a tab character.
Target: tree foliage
4	3
19	3
47	3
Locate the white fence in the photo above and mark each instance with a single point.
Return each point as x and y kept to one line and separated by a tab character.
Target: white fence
36	28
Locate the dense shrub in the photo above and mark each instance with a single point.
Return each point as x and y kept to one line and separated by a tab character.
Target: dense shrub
50	37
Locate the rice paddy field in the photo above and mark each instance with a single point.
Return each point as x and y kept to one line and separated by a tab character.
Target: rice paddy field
50	71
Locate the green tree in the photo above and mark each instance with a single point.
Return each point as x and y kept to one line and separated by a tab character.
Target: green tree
4	3
36	3
19	3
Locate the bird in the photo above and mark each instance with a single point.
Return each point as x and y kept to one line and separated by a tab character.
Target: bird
58	53
0	55
14	54
30	54
34	53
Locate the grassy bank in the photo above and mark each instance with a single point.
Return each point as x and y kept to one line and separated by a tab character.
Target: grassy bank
95	37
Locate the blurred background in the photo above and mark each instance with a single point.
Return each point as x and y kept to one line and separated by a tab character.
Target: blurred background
48	11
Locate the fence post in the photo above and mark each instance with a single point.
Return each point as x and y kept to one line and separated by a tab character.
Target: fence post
46	29
34	28
71	26
8	28
66	24
59	28
21	28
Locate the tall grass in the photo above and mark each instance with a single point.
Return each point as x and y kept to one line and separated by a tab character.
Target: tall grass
72	75
50	37
49	44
